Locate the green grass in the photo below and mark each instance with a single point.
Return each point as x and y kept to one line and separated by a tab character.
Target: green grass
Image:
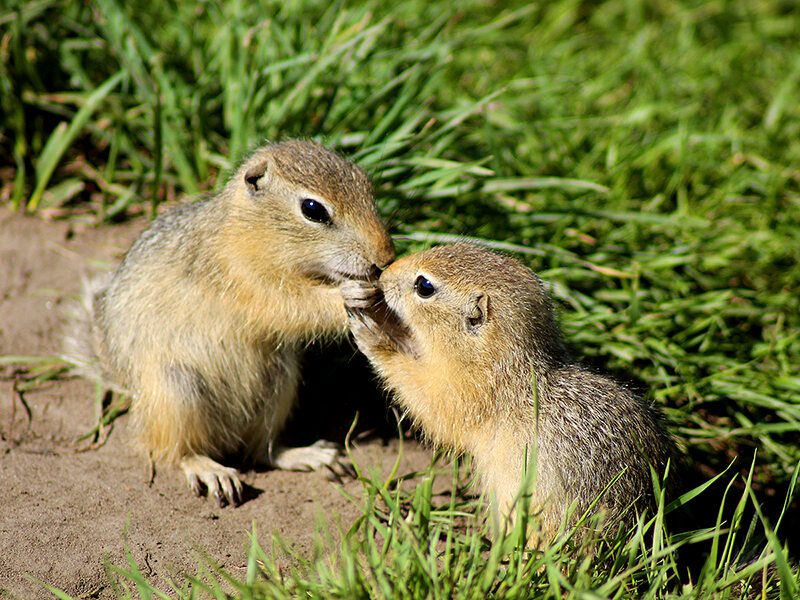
644	158
413	543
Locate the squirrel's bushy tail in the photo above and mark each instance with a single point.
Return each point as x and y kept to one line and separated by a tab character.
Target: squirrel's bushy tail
84	345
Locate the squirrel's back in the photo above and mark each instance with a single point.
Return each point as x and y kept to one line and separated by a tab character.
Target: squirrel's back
594	433
169	242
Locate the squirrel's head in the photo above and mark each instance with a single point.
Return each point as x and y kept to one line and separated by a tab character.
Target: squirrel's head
315	210
474	305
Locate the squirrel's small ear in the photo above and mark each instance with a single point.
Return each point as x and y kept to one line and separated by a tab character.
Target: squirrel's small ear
254	177
478	312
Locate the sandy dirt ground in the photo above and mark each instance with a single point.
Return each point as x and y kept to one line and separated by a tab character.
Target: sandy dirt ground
64	514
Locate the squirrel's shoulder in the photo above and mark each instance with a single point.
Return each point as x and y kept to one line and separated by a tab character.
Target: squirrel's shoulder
180	222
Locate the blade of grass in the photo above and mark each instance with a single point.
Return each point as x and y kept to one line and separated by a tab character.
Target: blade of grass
64	135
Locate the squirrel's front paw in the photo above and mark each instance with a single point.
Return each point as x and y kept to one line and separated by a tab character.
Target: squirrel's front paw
359	295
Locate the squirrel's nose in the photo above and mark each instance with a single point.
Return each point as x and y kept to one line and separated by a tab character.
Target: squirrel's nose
385	255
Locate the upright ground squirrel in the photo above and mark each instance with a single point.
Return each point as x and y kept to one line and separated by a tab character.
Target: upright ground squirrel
204	320
467	340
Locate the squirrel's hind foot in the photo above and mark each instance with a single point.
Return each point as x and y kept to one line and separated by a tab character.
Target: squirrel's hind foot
221	483
320	455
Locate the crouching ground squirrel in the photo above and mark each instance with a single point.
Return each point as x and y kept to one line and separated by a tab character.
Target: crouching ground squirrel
203	321
467	340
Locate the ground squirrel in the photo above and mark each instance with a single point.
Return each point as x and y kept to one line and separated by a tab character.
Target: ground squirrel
467	340
204	320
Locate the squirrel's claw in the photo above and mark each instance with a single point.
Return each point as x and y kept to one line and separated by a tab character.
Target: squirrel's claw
359	294
221	483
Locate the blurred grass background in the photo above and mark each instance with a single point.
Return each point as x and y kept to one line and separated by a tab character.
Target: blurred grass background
643	157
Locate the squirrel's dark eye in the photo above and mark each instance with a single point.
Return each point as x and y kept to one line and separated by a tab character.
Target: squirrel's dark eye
314	210
424	287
